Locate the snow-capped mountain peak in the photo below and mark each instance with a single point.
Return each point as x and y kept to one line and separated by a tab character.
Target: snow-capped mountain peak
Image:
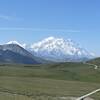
56	44
49	38
15	42
53	48
12	42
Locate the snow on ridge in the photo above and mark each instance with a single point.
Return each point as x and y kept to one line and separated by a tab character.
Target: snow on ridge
15	42
52	45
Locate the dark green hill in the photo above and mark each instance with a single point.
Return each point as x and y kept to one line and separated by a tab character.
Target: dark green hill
95	61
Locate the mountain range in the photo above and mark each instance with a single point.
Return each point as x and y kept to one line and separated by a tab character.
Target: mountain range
50	49
59	50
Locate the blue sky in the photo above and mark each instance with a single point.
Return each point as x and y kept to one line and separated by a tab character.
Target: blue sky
31	20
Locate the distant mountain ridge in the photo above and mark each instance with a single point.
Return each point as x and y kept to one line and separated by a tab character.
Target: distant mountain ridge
48	50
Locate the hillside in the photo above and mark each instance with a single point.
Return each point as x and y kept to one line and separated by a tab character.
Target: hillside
12	57
14	53
95	61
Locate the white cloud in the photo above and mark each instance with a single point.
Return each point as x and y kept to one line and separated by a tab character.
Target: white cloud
40	29
8	17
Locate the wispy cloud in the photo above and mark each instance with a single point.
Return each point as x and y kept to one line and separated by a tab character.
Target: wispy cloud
39	29
8	18
5	17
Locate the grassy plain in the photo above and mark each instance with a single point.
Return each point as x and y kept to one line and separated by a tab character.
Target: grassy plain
48	81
